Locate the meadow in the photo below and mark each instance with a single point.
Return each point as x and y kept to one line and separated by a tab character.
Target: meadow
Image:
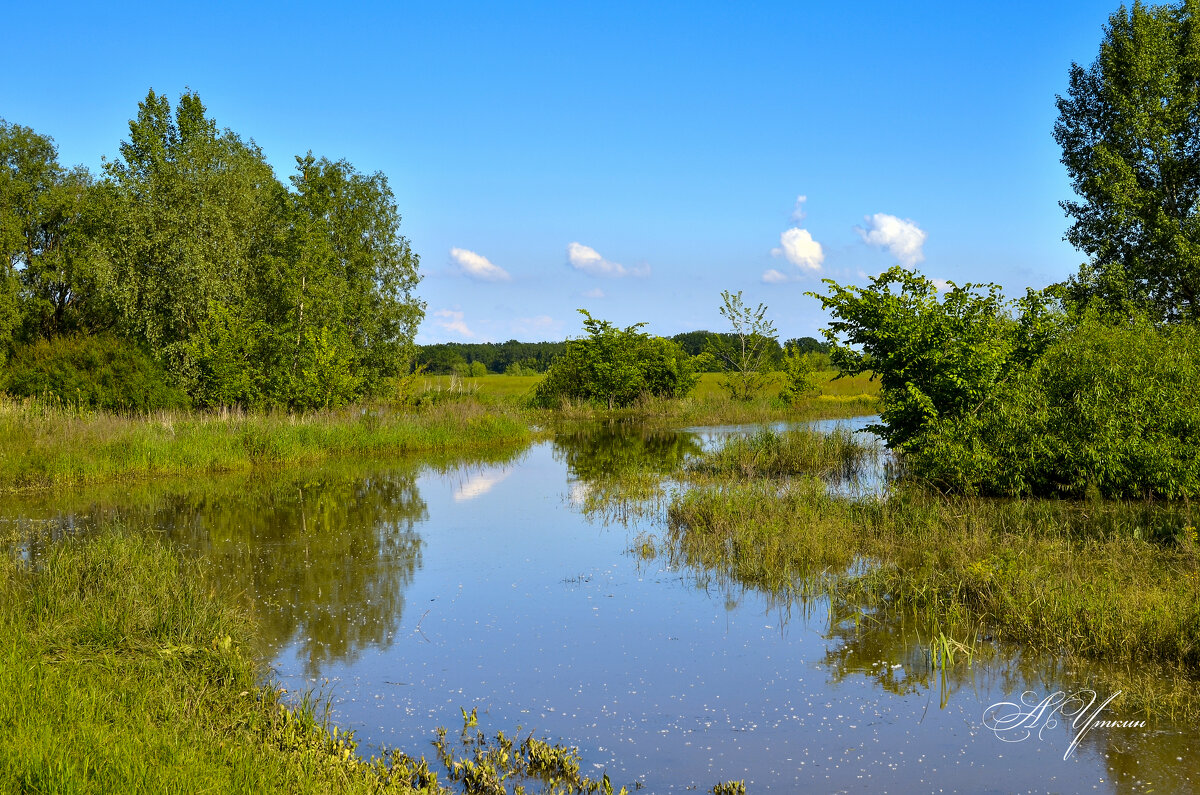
45	444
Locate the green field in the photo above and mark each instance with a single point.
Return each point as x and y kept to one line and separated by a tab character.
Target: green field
508	386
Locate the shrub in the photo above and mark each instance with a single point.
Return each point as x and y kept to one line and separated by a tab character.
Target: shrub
1109	406
615	366
99	372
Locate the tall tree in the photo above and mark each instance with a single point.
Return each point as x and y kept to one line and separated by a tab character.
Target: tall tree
191	217
1129	128
745	353
47	282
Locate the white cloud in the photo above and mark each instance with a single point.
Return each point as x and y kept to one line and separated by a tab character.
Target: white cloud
774	277
587	259
798	246
453	321
478	266
903	239
798	213
942	285
595	292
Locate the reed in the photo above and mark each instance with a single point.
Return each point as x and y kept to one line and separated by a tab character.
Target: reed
44	445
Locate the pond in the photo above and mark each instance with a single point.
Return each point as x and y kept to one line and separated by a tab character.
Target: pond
409	590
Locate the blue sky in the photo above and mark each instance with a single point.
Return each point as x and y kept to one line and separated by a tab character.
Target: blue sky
631	158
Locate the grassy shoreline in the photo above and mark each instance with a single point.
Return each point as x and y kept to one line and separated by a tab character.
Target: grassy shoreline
123	671
46	446
1109	581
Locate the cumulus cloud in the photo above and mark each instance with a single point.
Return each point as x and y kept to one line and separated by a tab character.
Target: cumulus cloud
774	277
452	320
587	259
595	292
478	266
798	213
903	239
798	246
942	285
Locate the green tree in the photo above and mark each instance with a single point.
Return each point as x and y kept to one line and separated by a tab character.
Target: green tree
44	272
193	217
938	355
615	366
352	273
745	354
1131	144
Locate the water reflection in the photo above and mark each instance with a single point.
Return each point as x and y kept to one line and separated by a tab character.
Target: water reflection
321	557
599	453
664	666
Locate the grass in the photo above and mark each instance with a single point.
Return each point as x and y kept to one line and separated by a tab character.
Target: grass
44	446
122	671
708	404
799	451
1113	581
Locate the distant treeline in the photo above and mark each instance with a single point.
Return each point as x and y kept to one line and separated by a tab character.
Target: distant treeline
517	358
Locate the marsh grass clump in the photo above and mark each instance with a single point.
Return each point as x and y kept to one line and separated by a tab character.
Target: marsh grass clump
761	534
1103	580
791	453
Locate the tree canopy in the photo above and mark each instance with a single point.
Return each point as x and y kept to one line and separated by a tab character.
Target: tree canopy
245	290
1131	143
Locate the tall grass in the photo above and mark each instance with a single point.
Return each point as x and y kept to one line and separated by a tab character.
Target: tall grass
1112	581
768	454
43	445
121	672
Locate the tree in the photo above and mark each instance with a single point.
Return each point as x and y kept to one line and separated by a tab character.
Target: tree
938	356
799	371
193	217
744	354
615	366
1131	144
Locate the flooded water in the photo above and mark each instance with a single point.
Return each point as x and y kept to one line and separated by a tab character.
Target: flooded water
409	590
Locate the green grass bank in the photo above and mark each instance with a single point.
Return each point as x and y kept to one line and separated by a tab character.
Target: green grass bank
123	671
46	446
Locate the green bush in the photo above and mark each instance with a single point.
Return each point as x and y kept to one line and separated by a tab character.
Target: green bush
98	372
985	396
615	367
1110	406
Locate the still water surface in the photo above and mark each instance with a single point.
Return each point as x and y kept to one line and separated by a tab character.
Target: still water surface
408	590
